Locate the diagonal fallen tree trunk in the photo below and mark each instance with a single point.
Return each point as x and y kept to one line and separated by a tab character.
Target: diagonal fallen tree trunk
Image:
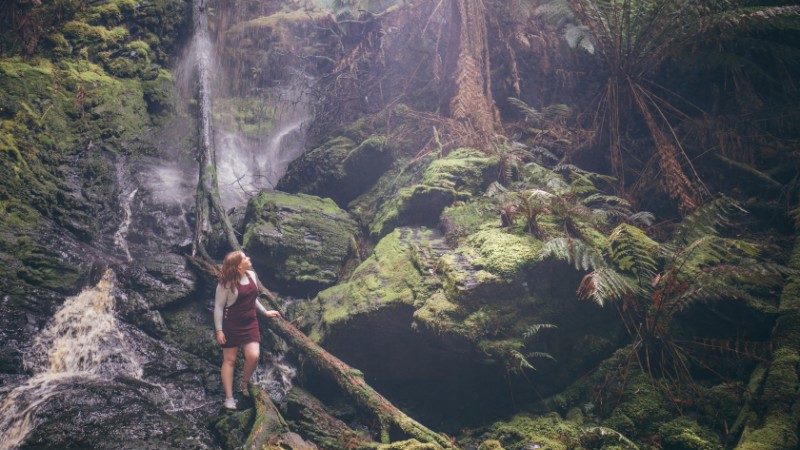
391	420
393	423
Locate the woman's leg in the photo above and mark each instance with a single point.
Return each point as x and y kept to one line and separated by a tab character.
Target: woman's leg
226	371
251	352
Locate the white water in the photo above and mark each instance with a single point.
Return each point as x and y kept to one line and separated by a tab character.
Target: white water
121	236
82	341
274	374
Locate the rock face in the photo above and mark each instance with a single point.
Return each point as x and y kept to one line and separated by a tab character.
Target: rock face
298	243
340	168
458	176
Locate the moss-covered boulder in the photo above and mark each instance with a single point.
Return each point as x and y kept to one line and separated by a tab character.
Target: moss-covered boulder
340	168
389	276
684	433
309	417
458	176
297	242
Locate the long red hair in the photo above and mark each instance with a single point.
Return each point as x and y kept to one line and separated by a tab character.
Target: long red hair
229	272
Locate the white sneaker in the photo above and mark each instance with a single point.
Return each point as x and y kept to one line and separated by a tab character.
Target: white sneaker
230	403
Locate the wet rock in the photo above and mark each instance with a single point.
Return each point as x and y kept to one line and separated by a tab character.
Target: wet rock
458	176
124	413
339	168
309	417
298	243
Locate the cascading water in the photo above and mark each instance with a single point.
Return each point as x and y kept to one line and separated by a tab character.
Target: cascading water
82	341
255	131
126	197
249	156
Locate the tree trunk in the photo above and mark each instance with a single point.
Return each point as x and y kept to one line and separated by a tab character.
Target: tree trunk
472	102
207	184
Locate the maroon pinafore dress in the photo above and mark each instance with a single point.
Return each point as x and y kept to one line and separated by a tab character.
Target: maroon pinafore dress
239	320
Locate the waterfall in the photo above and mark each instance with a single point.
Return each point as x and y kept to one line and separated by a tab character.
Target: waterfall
82	341
254	132
247	160
121	236
274	374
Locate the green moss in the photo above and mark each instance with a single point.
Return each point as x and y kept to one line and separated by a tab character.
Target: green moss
684	433
82	34
458	176
410	444
283	18
300	241
526	431
782	380
340	167
504	254
462	219
233	428
491	444
642	410
439	313
389	276
251	116
777	432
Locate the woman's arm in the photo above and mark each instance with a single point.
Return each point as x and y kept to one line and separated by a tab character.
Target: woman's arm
220	297
261	309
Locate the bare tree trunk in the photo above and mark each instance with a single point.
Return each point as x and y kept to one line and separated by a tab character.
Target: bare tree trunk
207	185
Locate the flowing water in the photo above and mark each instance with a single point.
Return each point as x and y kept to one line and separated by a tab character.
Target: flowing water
82	341
126	197
255	131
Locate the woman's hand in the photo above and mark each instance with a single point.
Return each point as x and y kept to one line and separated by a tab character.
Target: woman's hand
272	313
220	337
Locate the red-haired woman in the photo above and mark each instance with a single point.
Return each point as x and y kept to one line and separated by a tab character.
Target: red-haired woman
235	306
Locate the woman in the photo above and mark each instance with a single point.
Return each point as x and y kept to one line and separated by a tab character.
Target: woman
235	321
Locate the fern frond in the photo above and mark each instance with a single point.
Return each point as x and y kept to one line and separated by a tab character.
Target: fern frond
643	217
606	284
633	251
541	355
706	219
534	329
573	251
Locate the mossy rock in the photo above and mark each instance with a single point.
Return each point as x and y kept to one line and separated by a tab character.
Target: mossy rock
233	428
340	168
297	242
458	176
684	433
525	431
490	264
410	444
389	276
307	415
643	409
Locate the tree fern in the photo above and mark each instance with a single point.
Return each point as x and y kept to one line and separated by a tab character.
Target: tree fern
633	251
573	251
606	284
